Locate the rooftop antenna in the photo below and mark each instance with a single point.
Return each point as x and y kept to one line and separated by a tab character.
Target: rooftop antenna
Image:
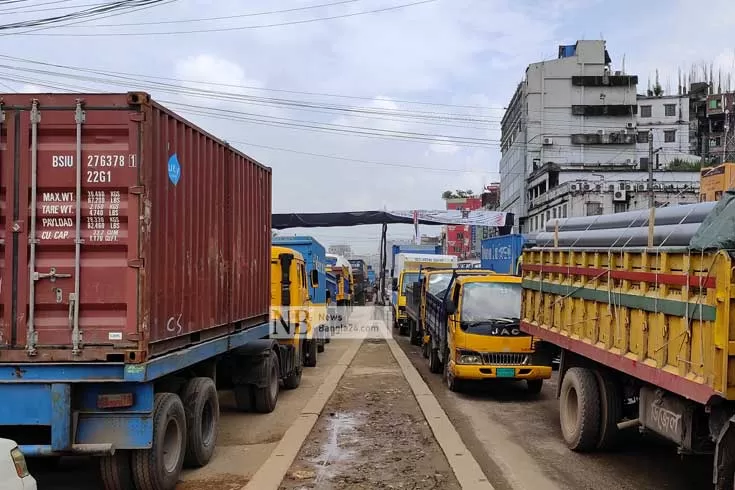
622	68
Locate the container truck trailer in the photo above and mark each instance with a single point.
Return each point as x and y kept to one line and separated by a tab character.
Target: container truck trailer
135	264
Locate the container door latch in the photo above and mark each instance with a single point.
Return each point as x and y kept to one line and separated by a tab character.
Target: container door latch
51	275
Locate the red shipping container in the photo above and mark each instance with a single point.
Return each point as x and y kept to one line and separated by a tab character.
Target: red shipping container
173	227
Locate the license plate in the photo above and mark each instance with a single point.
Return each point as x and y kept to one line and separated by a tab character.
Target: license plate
505	372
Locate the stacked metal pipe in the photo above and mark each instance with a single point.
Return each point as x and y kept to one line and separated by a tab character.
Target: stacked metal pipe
673	226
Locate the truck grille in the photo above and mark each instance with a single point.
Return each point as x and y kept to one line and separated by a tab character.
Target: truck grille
505	358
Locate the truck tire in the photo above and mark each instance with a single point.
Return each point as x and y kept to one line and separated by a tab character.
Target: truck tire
454	384
116	471
534	386
611	410
265	398
243	397
310	352
201	406
293	380
414	334
579	409
159	467
435	365
425	350
320	346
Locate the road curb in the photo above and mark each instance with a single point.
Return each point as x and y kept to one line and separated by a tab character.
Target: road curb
466	469
272	472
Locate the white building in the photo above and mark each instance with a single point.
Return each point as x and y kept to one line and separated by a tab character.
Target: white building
574	128
590	193
569	112
667	117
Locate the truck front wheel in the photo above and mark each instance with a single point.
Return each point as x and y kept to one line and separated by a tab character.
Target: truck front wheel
201	405
435	365
265	398
579	409
159	467
310	352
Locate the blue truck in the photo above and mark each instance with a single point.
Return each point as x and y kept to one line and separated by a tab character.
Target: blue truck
315	256
501	254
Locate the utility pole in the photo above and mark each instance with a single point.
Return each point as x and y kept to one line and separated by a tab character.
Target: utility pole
651	199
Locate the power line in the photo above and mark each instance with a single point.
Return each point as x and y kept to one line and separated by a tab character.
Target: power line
231	29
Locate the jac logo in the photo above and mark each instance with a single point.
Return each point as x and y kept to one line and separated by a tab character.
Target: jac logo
506	331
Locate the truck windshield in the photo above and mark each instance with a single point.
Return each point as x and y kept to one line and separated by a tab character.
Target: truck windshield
409	278
491	301
439	282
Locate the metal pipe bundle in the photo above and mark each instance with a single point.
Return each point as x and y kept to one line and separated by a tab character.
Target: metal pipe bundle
665	235
684	214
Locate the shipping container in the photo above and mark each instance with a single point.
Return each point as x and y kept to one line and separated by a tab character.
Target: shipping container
315	256
501	253
127	231
412	249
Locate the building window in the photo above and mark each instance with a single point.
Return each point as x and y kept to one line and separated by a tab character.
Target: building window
670	110
553	213
644	162
594	209
620	207
460	236
718	196
548	215
670	136
645	111
564	211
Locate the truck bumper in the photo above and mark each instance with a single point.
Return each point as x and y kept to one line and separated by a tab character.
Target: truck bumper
479	372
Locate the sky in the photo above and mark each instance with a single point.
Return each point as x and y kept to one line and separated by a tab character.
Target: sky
363	111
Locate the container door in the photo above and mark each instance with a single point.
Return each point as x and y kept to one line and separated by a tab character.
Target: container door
69	274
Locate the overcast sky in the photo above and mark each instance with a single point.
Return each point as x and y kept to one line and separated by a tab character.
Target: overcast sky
462	58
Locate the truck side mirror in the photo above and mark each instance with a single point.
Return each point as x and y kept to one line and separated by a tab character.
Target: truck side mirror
314	278
450	307
395	284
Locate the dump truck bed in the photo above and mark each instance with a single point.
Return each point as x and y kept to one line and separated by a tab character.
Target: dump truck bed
663	316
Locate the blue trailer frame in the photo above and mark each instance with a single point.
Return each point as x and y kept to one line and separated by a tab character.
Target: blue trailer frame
42	395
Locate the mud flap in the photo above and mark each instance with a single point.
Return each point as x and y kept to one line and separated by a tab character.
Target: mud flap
723	471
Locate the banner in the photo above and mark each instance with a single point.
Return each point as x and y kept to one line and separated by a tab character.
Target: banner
477	217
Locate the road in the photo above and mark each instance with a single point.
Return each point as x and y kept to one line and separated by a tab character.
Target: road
517	440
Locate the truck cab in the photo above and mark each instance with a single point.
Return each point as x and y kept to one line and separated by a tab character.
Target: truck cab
405	277
483	338
340	268
289	279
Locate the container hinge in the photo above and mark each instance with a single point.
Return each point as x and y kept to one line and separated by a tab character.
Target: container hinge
137	263
137	116
2	114
52	275
136	190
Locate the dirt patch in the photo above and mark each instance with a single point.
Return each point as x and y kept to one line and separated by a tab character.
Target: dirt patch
219	482
371	435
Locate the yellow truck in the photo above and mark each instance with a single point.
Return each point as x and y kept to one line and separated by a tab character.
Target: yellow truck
648	341
474	333
289	300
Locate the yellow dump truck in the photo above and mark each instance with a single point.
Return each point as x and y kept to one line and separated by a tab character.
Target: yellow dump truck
648	340
474	333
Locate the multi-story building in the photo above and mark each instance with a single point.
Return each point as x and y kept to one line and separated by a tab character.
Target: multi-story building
569	112
587	193
666	117
344	250
460	238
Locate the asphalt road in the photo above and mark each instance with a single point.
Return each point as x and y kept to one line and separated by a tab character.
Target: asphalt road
517	440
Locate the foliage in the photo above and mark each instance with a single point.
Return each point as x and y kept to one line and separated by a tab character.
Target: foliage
683	165
458	193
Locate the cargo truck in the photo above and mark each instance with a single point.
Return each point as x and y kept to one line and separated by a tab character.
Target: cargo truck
647	338
474	333
502	254
411	248
315	256
342	271
407	272
360	282
135	265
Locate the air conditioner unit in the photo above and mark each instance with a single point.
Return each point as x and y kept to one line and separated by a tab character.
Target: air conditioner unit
598	187
574	187
548	141
611	187
641	187
620	196
586	187
628	187
630	125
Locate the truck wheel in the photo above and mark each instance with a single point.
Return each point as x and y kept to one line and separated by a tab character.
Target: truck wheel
435	365
414	336
579	409
116	471
265	399
425	350
320	345
201	406
453	383
159	467
310	352
611	410
534	386
243	397
293	380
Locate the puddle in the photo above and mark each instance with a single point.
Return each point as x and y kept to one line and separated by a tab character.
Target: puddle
341	435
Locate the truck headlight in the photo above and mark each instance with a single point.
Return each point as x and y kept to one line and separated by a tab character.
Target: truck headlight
469	358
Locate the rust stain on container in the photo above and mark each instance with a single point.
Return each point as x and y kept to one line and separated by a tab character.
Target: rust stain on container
175	230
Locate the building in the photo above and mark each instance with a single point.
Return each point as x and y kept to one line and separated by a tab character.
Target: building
570	112
715	181
667	118
343	250
591	194
460	238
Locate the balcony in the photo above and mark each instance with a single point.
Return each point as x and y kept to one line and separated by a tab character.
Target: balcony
605	110
603	138
608	81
